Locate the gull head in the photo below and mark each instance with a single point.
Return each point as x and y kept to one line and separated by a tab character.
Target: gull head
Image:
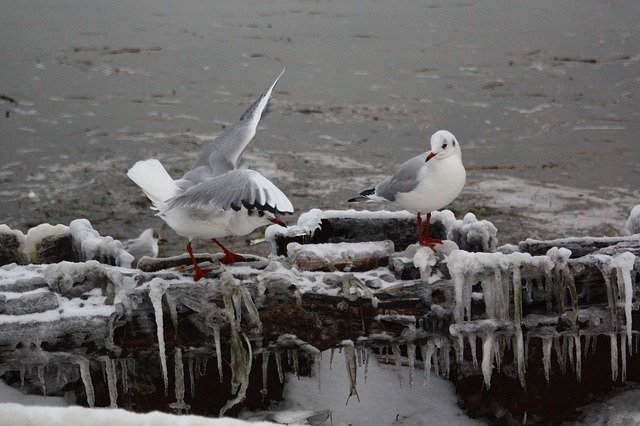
443	145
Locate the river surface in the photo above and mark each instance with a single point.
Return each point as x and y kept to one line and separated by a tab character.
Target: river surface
544	97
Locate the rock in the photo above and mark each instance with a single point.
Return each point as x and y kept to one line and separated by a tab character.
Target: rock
475	235
31	303
49	244
340	256
12	246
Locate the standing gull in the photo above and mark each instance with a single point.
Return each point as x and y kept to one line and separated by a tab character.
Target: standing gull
214	199
425	183
145	245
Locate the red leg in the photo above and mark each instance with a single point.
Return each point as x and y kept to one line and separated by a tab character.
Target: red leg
428	241
229	256
419	228
198	271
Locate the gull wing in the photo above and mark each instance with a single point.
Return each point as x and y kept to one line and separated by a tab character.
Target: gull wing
234	189
405	179
222	154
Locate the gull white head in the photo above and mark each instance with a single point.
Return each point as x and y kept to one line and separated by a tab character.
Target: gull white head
443	145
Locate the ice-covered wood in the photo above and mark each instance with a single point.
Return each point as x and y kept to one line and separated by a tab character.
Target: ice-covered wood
340	256
492	320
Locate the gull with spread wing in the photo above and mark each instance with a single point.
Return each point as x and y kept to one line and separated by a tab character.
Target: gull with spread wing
214	199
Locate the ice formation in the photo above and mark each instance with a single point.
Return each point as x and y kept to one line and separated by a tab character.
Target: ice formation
179	405
88	244
157	288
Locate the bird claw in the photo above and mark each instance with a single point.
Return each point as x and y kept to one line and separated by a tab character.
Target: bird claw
430	242
230	257
200	273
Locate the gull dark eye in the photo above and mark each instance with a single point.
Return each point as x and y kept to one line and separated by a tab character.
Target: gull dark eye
444	145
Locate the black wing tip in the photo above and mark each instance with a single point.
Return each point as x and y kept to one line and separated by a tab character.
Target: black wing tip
363	195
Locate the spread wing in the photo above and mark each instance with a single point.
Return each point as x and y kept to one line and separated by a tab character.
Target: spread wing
222	154
403	180
234	189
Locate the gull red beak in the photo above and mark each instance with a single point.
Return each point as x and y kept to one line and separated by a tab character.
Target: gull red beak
277	221
430	155
161	241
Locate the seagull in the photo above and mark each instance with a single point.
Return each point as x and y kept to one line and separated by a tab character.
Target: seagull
425	183
145	245
215	199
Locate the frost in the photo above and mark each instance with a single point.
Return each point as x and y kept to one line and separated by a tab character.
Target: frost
89	245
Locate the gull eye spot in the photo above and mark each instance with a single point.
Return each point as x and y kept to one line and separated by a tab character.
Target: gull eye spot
453	143
444	145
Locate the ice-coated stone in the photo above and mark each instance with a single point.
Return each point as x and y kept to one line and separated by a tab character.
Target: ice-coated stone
30	303
49	244
340	256
474	235
12	246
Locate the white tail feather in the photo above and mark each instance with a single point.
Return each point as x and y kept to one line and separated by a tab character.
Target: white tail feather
154	180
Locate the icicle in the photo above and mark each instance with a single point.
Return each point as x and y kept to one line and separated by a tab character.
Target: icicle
43	384
565	351
22	372
112	382
124	376
436	361
157	288
594	345
474	354
366	365
578	345
605	269
265	372
352	368
488	341
279	365
317	364
570	342
216	339
526	349
427	354
359	355
85	374
546	356
395	348
498	352
294	355
558	351
461	347
587	343
517	303
624	264
192	379
331	359
179	405
614	356
447	363
411	354
623	358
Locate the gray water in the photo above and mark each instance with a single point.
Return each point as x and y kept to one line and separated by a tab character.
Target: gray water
543	96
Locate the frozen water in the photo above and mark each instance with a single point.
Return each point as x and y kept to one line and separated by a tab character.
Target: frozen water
157	288
88	244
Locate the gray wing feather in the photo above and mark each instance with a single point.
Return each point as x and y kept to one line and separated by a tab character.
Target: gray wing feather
234	189
405	179
222	154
